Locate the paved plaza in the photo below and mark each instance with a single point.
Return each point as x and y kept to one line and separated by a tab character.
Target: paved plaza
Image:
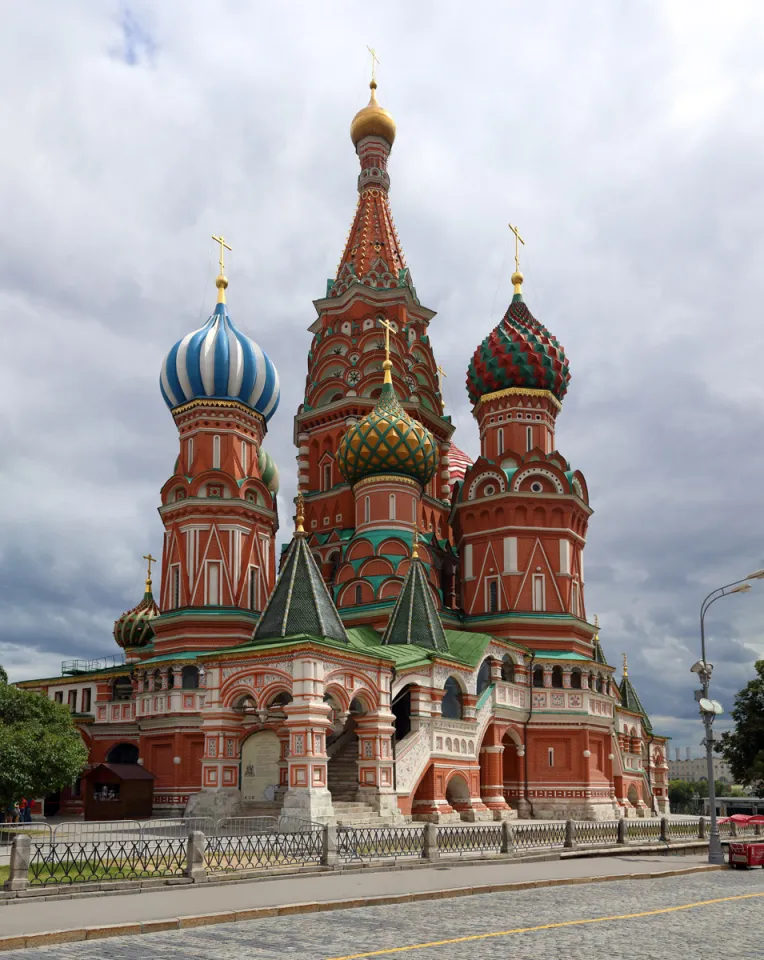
590	921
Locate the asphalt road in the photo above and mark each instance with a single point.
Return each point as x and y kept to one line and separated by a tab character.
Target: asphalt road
676	917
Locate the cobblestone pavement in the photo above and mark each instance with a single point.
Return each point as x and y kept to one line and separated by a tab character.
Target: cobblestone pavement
732	928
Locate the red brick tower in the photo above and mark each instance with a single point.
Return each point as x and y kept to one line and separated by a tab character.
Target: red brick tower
520	515
373	286
219	506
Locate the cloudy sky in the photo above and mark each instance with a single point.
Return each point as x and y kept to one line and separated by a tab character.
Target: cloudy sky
626	139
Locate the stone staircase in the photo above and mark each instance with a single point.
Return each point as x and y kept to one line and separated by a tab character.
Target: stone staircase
343	786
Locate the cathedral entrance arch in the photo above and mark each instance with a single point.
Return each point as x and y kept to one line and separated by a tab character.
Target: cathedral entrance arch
123	753
401	710
260	755
342	750
512	771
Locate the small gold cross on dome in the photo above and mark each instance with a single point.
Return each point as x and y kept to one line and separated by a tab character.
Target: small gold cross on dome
518	241
388	327
374	62
223	247
441	373
150	560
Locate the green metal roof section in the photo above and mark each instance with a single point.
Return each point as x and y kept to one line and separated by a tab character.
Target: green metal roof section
558	655
467	646
300	602
630	701
414	618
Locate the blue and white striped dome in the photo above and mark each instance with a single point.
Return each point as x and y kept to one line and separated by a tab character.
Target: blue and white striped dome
219	361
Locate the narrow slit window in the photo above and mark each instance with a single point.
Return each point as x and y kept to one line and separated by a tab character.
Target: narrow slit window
216	452
529	437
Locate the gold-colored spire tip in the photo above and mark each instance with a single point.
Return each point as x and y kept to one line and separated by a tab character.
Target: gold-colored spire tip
625	666
517	281
299	515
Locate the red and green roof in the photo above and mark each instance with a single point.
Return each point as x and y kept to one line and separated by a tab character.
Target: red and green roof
520	352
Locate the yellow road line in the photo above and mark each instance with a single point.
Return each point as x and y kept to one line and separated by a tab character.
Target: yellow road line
546	926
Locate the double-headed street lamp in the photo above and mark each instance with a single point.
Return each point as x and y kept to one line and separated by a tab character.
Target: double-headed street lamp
710	709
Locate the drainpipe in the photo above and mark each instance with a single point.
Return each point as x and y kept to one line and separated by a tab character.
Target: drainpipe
525	732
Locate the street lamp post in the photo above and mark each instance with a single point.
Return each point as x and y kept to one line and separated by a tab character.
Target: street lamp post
709	709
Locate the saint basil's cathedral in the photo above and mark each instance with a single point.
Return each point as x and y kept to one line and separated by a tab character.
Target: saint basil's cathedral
421	648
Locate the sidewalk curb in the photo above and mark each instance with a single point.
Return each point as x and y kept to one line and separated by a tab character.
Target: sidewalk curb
24	941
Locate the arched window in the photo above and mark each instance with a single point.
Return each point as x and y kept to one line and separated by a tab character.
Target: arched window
538	676
358	594
170	679
508	670
575	680
122	689
484	676
529	437
556	676
123	753
216	453
157	679
451	707
327	476
391	511
189	678
244	457
493	596
500	441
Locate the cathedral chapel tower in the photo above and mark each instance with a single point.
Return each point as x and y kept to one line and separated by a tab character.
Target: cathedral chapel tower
372	290
219	506
521	514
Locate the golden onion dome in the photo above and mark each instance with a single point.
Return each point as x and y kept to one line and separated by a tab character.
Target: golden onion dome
387	440
372	121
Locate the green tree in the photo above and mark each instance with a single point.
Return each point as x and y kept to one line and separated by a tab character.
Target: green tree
3	674
41	750
743	747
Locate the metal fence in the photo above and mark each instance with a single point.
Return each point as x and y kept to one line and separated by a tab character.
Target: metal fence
595	832
643	830
470	839
683	829
370	843
77	862
526	836
264	849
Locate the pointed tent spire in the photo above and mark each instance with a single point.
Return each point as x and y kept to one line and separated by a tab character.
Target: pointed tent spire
599	656
630	700
414	618
300	602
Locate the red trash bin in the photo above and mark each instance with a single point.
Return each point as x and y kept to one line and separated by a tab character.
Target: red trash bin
746	854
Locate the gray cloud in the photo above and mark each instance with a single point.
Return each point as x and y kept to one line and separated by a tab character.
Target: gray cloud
626	143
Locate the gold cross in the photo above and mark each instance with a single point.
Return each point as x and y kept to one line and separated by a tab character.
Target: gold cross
223	247
374	62
441	373
518	241
150	561
388	327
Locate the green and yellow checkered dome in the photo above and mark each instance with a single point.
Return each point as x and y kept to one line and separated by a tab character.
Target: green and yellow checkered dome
387	440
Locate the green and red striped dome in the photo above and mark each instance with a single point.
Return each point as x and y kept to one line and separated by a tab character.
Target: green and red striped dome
520	352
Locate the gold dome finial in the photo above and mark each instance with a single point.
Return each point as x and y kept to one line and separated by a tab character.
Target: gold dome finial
415	544
300	515
625	666
150	560
596	626
222	281
372	120
517	277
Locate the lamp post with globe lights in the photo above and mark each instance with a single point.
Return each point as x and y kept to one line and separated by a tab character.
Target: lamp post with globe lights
710	709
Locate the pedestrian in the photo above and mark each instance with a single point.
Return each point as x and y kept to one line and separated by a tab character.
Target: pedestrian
24	810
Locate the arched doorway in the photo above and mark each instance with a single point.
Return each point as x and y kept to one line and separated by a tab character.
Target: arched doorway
458	793
260	771
401	709
342	750
512	769
123	753
633	796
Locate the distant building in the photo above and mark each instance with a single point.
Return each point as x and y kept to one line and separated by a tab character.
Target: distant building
696	769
